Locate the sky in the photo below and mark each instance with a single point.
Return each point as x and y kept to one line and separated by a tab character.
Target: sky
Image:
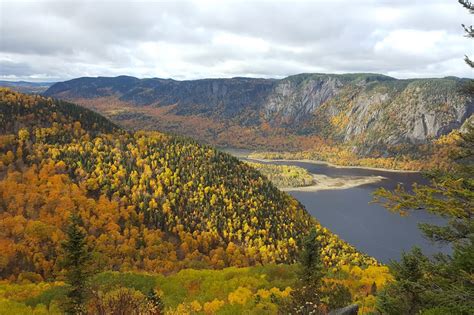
61	40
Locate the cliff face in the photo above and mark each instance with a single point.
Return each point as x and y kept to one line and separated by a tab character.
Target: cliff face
293	99
217	98
397	112
367	110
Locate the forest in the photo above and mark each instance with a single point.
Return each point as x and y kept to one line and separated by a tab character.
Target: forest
144	201
117	196
436	155
284	176
95	219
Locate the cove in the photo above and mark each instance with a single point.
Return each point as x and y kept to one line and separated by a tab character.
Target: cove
370	227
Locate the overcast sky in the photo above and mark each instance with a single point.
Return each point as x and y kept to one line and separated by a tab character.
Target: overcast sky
58	40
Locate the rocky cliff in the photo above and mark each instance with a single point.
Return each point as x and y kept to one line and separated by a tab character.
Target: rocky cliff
367	110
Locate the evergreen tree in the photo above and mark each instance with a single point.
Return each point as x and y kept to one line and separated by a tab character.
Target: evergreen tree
307	298
76	263
312	269
468	29
405	296
445	284
155	304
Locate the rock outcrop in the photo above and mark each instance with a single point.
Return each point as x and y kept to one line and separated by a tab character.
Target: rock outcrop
370	111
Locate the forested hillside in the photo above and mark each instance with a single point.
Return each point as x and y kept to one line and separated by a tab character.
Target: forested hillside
148	201
369	115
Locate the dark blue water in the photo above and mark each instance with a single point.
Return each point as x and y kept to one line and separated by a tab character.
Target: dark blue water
369	227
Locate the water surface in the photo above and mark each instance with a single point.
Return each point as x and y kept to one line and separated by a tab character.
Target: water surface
369	227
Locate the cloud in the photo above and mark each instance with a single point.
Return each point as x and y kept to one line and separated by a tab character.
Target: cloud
57	40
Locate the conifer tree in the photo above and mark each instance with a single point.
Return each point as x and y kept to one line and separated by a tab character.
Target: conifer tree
312	266
76	262
306	298
468	29
155	303
443	285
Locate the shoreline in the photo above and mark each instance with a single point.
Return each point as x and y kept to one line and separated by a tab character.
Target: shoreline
330	164
323	182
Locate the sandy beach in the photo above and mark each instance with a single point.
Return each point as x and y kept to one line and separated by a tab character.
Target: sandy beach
323	182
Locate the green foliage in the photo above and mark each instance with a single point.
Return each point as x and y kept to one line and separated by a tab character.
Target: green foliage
468	29
55	293
8	307
76	262
311	265
142	282
284	176
150	201
307	298
404	297
445	283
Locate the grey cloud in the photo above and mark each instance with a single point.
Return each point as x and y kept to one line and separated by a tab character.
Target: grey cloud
195	39
19	69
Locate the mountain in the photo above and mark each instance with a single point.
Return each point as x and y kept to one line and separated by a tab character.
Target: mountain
148	201
27	87
369	112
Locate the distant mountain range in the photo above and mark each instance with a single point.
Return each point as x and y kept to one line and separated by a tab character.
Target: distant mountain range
27	87
372	112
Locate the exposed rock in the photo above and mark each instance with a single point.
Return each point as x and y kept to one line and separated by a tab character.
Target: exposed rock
291	101
348	310
368	111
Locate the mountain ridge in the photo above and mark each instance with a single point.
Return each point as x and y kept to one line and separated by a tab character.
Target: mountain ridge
369	111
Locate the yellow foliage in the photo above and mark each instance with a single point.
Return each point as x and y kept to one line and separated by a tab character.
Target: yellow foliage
196	306
213	306
340	121
239	296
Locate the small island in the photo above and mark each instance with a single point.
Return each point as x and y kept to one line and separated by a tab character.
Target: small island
292	178
285	176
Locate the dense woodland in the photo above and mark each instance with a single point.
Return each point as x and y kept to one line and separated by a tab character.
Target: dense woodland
145	201
96	219
284	176
279	142
435	155
194	218
255	290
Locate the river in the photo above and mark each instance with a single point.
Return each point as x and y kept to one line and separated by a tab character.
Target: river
370	227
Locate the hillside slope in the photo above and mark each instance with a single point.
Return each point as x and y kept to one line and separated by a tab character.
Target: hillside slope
367	111
148	201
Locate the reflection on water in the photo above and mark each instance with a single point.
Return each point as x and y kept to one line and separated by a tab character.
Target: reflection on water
370	227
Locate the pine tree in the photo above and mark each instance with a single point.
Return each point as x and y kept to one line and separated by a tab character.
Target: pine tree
310	259
443	285
76	262
468	29
155	303
405	296
306	298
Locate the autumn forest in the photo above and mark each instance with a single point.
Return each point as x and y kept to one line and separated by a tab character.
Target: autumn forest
221	158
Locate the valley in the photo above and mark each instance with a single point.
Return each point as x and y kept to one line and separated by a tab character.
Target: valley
347	119
342	199
236	157
184	206
171	205
144	202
